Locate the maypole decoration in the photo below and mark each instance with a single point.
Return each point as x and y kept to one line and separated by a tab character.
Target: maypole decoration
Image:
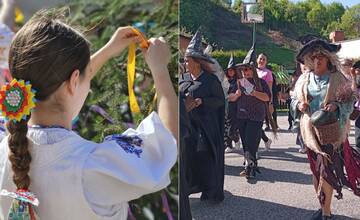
134	106
17	100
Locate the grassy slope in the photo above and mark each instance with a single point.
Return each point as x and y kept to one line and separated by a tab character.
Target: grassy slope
224	28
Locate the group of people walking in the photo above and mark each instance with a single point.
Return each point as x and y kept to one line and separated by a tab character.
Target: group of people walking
322	99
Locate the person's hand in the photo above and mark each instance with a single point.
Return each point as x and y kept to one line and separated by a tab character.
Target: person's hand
302	106
232	97
238	93
198	102
330	107
190	103
120	40
353	72
271	108
158	55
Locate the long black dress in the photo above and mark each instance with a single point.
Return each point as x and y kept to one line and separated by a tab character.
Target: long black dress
205	145
185	130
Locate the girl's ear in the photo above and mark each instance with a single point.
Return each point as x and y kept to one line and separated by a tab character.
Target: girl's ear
73	82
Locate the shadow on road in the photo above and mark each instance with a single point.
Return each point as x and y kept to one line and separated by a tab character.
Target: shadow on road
283	154
270	175
275	154
238	207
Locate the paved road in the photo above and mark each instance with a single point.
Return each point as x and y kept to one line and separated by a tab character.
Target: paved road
283	190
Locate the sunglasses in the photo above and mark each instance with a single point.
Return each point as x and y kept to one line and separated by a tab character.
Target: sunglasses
246	69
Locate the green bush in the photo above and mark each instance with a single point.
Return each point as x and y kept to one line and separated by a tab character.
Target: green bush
223	56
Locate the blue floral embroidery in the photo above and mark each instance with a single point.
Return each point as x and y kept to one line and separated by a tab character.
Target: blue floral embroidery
127	143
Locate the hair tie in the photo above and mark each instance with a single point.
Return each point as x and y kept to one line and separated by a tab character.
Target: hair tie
17	99
22	204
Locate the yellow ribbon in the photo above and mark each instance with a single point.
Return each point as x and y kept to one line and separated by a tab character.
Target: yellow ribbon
134	106
19	16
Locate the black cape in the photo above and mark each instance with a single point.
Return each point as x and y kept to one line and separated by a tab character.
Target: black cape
204	150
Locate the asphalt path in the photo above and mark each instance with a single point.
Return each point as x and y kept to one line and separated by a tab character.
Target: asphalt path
283	190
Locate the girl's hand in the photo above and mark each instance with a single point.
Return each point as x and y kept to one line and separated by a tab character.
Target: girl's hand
157	56
120	40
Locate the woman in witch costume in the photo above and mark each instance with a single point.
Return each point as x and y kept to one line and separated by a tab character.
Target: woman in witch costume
323	101
205	104
252	99
231	133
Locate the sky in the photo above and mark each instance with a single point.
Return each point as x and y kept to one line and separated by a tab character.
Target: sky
345	3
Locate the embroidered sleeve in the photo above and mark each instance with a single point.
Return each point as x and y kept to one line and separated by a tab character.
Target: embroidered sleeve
130	144
129	165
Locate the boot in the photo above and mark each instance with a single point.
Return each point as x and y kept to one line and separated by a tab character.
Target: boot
317	215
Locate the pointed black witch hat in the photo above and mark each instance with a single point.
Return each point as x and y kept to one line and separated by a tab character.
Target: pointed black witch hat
195	50
250	58
231	63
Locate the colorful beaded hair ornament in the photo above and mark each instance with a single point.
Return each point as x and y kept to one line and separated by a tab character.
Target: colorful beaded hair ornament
17	99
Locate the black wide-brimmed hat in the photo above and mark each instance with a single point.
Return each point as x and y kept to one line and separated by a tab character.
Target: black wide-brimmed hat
250	58
195	50
315	44
307	38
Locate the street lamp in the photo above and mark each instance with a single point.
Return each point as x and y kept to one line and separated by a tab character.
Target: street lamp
252	12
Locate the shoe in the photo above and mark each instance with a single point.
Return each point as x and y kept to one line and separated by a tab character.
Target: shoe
324	217
243	173
267	129
250	174
268	144
236	145
317	215
229	150
302	150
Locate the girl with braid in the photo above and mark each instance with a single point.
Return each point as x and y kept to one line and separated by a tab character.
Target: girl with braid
48	171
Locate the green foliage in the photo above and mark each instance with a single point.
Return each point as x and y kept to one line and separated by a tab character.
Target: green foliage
223	56
304	17
280	73
109	87
192	18
237	7
350	22
279	56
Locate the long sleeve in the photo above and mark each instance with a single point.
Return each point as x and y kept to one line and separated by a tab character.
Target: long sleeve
345	109
217	98
118	170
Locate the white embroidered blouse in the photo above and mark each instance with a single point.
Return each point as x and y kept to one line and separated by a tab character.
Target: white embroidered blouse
74	178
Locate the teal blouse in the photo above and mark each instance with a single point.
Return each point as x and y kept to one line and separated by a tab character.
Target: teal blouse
317	89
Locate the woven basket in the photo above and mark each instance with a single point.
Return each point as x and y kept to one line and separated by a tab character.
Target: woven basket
328	134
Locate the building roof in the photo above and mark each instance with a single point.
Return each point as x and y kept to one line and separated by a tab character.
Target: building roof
349	49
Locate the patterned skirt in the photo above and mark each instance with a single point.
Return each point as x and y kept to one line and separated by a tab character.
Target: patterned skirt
343	170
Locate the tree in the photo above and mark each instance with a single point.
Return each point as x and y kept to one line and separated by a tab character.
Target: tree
350	22
334	11
316	17
237	6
